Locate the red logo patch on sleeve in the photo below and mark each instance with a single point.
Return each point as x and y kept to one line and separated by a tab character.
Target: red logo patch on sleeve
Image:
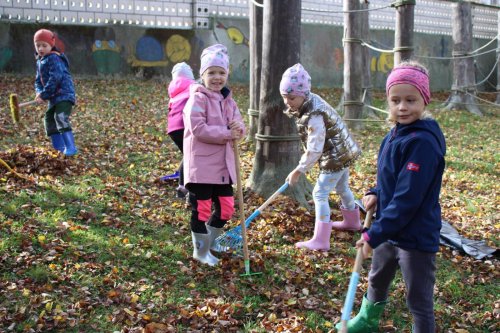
413	167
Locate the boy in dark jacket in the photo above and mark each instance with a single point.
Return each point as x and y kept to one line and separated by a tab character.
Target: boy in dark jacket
54	84
405	234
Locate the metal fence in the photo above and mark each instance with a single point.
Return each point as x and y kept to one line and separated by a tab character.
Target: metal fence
431	16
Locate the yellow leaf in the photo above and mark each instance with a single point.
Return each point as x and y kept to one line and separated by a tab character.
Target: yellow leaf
291	301
129	312
131	166
77	266
26	292
134	298
191	285
52	266
328	324
125	241
48	306
41	238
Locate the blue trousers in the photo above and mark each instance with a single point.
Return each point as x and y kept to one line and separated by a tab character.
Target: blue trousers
325	184
418	269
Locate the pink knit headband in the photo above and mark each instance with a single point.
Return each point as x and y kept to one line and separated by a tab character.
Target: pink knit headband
410	75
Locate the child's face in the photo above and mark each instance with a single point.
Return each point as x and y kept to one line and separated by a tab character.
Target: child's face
214	78
406	105
42	48
293	102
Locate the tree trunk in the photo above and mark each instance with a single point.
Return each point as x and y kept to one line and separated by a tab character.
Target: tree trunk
403	39
463	90
353	64
278	146
256	15
367	74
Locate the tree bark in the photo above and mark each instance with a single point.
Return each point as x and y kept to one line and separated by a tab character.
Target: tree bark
353	64
278	148
464	76
403	39
256	16
367	74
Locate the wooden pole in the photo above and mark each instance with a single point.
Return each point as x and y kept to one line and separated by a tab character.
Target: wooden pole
353	63
403	39
256	22
464	76
367	75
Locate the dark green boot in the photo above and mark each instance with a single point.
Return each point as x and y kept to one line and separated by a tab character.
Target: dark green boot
366	321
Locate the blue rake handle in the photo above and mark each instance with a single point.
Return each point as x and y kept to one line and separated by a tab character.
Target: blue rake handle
259	210
232	238
353	284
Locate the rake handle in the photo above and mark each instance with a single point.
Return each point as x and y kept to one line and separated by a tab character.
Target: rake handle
240	201
22	105
272	197
353	284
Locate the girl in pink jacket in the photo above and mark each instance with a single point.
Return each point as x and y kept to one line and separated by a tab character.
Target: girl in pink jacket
212	121
178	93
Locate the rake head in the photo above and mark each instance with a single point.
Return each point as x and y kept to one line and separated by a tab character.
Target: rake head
231	239
14	107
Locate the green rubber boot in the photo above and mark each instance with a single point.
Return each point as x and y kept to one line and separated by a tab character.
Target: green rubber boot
366	321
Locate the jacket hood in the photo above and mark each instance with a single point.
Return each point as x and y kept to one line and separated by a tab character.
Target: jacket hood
179	85
429	125
56	52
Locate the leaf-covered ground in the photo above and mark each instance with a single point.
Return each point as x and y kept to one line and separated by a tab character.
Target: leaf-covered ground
97	243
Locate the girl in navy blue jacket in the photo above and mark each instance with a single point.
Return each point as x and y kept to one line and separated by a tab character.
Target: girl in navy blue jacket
406	231
54	84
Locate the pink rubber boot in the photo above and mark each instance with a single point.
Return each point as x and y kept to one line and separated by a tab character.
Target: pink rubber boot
321	238
351	220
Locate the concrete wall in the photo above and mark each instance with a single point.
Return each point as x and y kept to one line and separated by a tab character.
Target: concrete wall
113	50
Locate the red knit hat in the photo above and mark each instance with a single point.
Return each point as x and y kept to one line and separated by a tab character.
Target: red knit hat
44	35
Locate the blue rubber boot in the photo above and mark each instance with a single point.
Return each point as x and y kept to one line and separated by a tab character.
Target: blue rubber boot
69	142
58	142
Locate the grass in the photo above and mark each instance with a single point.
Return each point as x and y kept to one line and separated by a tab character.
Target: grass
101	245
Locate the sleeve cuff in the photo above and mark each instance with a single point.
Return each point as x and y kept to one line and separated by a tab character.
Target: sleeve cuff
366	237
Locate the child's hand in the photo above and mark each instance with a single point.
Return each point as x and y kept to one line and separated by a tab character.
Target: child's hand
365	247
293	177
38	99
236	130
370	202
236	134
233	124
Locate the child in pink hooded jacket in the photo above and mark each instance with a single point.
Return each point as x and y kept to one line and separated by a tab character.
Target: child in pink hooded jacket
212	122
178	93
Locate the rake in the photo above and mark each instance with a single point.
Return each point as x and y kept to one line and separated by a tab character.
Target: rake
233	238
15	107
353	284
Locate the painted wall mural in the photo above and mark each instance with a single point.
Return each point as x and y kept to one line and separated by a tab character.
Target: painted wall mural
106	52
178	48
234	34
126	50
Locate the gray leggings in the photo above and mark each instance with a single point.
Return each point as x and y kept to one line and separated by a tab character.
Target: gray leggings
418	269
